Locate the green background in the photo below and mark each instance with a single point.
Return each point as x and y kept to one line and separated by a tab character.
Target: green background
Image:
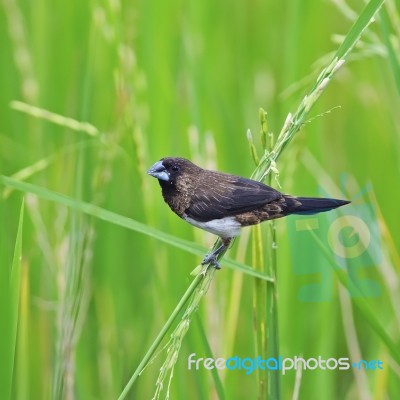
159	78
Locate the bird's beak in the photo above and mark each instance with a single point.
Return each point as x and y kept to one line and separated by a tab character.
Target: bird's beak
158	171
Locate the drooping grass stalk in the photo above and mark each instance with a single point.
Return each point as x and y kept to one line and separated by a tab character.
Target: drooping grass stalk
29	86
57	119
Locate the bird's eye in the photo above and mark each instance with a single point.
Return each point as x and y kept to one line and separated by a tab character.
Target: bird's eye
175	168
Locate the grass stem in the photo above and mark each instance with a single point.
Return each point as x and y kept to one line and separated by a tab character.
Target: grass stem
147	357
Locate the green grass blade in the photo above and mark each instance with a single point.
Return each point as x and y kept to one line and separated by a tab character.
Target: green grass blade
123	221
358	28
219	388
274	378
392	56
272	331
147	357
11	295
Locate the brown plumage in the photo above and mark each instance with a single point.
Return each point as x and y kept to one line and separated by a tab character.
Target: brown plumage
223	203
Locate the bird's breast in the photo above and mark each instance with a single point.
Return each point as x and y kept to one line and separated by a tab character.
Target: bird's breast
176	197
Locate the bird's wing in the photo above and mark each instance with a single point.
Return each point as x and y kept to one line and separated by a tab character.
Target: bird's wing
222	195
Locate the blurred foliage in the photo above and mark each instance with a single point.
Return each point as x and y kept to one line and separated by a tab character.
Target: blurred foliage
187	78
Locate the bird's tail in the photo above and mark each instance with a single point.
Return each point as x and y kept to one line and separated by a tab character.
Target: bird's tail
312	205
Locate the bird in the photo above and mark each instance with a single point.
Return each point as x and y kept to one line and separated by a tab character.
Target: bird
222	203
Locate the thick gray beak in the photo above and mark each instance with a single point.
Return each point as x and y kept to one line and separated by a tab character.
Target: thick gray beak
158	171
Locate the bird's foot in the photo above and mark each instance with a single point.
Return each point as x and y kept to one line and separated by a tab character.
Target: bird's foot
211	259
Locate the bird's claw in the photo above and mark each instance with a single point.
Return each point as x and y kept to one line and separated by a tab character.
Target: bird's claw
211	259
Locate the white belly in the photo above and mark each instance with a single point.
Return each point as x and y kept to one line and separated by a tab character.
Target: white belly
225	227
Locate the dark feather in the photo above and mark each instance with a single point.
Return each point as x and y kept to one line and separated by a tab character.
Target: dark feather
220	195
314	205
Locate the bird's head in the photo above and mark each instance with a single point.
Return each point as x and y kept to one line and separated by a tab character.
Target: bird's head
168	170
